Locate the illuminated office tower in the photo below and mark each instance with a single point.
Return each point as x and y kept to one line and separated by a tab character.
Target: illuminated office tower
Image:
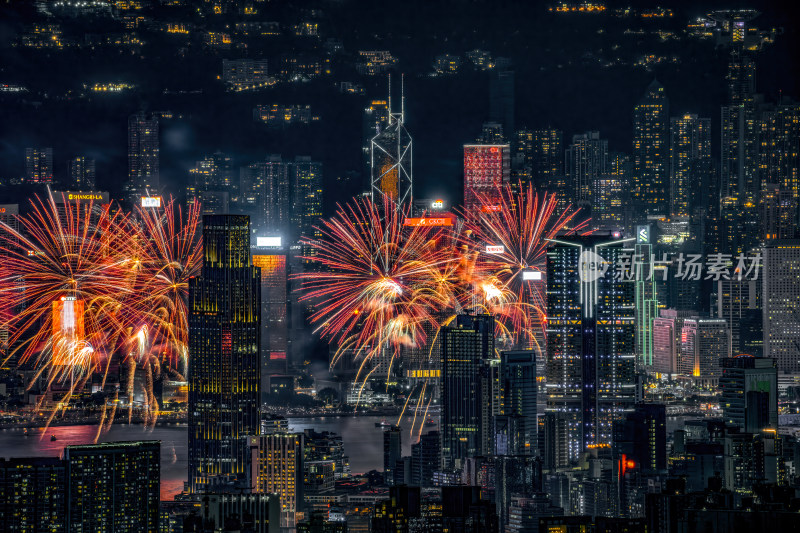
143	155
392	452
39	165
519	384
590	338
585	162
467	348
32	496
113	487
704	342
651	152
8	216
82	173
734	299
666	345
270	257
612	208
390	159
225	363
213	184
277	468
306	178
781	304
646	296
540	152
487	169
779	211
738	175
265	193
689	142
749	392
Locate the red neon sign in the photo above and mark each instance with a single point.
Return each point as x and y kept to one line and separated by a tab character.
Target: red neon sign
443	221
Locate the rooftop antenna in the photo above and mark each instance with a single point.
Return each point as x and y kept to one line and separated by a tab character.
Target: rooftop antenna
390	95
402	98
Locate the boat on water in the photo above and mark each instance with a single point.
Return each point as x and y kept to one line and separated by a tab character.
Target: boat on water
53	437
382	424
430	422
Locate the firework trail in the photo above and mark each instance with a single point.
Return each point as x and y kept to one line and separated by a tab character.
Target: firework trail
503	256
80	279
377	283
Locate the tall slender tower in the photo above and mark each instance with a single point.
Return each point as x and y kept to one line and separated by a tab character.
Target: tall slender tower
590	338
143	155
689	148
390	158
225	368
650	152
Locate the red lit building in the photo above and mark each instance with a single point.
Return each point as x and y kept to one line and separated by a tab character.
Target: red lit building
487	168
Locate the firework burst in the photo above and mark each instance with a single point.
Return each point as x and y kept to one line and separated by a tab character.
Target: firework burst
504	252
377	281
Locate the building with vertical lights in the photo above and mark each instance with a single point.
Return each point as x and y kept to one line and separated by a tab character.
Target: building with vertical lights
704	342
113	487
749	393
467	347
82	173
651	152
224	341
487	169
143	155
270	257
39	165
585	163
306	179
738	174
277	468
689	144
781	304
590	338
646	296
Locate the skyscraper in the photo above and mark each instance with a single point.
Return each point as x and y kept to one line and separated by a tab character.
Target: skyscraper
82	173
689	143
781	304
646	296
519	386
274	308
39	165
425	459
467	345
501	99
585	163
213	184
143	155
390	159
224	339
392	451
651	152
487	169
541	154
749	393
32	494
642	437
265	193
590	338
704	342
113	487
734	298
306	178
737	163
276	461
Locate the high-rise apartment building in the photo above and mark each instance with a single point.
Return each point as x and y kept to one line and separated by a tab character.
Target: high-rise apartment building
306	178
467	348
32	494
39	165
734	298
738	176
541	153
781	304
82	173
519	384
392	452
276	461
213	184
224	341
113	487
689	144
590	338
749	393
651	152
143	155
487	169
265	193
585	163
